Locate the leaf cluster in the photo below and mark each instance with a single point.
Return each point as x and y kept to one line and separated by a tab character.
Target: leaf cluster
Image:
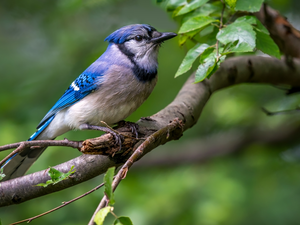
216	30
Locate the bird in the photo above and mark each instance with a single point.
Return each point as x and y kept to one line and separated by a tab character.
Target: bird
109	90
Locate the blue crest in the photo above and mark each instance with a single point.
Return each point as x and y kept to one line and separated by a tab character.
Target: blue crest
121	35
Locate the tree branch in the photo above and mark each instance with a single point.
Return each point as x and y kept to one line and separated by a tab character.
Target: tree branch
187	106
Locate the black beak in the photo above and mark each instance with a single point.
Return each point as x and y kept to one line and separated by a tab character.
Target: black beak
163	37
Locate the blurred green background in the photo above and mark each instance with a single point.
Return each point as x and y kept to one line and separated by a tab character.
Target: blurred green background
45	45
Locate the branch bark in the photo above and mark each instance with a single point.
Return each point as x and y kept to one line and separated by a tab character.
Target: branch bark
187	106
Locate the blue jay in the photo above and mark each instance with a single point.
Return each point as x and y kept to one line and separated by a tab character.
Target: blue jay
109	90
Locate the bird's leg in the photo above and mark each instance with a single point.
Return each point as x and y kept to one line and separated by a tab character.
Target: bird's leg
106	129
133	127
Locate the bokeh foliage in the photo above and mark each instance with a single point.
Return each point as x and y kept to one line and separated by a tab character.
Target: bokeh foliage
45	45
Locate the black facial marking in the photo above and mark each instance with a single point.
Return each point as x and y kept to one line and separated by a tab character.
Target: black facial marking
150	30
126	52
140	73
150	33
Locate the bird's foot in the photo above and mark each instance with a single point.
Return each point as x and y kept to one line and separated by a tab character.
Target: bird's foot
134	128
107	129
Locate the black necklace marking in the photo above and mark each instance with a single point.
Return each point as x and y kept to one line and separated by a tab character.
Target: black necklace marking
140	73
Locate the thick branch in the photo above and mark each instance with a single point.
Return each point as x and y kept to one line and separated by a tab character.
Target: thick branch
187	107
255	69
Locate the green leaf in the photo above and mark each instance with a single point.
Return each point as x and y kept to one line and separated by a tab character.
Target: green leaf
249	6
183	37
218	5
196	23
248	19
2	175
123	221
266	44
235	47
205	10
204	70
239	31
57	176
117	222
174	4
208	8
259	26
231	3
242	47
54	173
208	35
101	215
108	179
191	6
176	11
254	22
208	62
213	70
190	58
208	52
48	182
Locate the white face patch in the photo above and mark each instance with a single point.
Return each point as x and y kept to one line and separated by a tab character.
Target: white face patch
74	86
145	53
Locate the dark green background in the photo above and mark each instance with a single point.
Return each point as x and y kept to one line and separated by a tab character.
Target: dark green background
45	45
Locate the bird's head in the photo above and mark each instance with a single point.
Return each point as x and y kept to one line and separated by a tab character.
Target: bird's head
141	33
140	43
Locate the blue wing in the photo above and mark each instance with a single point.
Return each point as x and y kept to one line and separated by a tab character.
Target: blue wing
81	87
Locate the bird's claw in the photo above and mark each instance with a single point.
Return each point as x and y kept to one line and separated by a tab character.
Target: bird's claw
134	127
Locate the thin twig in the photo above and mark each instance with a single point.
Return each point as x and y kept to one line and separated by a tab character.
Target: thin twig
269	113
222	15
217	47
58	207
40	143
162	133
43	143
18	149
220	27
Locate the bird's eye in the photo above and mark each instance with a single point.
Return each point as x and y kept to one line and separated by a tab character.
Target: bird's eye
138	38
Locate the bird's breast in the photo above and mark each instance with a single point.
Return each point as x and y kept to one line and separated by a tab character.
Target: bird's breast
119	95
